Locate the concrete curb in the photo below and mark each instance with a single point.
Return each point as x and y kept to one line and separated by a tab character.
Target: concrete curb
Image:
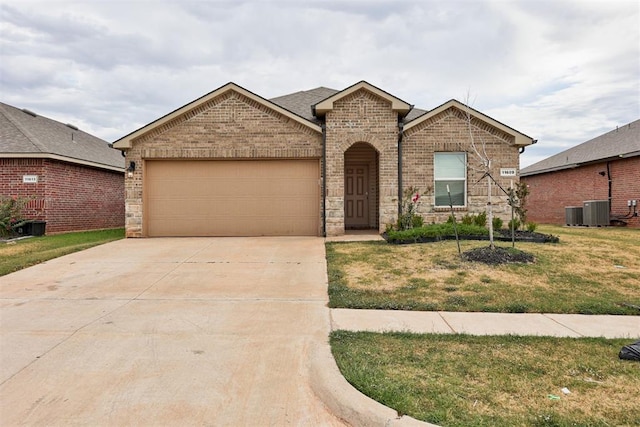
343	400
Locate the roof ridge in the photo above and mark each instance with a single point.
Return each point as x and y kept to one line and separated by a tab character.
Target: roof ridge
30	137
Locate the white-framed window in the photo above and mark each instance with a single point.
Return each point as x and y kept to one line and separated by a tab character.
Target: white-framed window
450	169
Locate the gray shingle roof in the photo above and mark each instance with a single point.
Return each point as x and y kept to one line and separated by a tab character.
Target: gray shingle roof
24	133
623	141
300	102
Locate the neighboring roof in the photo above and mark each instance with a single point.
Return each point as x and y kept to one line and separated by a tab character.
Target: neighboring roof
301	102
619	143
125	141
398	105
26	134
521	139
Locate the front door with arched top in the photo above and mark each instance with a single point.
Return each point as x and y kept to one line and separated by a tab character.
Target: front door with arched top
360	187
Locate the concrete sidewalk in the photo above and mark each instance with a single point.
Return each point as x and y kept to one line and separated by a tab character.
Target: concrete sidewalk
440	322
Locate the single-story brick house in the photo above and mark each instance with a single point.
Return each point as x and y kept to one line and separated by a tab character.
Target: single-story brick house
315	162
605	168
75	181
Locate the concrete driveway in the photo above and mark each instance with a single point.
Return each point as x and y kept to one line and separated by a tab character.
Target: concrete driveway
182	331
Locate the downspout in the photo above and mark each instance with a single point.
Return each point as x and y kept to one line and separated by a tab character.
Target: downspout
610	185
324	179
400	132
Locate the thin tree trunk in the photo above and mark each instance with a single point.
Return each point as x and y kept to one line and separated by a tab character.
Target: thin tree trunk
490	214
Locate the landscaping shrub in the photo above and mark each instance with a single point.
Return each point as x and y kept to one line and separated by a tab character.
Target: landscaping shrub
409	218
497	223
467	219
480	219
435	232
531	227
11	214
514	224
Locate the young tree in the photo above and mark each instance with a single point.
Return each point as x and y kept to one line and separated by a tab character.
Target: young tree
482	165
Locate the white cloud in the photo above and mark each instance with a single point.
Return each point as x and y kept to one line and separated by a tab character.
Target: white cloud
560	71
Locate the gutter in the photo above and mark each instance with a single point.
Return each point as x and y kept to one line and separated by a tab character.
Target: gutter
521	150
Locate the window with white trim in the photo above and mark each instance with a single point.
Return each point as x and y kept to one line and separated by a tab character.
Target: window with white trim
450	169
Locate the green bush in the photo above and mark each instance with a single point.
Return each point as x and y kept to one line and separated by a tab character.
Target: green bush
480	219
514	224
531	226
11	214
417	221
435	231
497	223
467	219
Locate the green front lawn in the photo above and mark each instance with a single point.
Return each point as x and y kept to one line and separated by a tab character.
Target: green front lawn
462	380
590	271
23	253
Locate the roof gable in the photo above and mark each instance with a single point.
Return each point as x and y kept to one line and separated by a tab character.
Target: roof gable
619	143
26	134
326	105
126	141
520	139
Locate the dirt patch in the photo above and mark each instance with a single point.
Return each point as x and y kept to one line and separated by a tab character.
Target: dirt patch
498	255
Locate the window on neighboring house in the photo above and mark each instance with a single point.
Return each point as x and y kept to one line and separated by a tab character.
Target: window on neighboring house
450	169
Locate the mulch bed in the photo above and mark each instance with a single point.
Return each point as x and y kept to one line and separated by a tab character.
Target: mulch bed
498	255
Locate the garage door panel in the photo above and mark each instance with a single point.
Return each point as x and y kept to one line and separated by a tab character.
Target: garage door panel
232	198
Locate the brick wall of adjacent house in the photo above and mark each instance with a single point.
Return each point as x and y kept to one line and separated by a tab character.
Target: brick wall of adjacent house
449	132
230	126
551	192
356	118
12	172
69	197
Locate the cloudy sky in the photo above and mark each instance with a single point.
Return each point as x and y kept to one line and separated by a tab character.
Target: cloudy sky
560	71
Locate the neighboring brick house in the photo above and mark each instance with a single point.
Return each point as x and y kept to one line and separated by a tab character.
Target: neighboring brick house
604	168
74	180
233	163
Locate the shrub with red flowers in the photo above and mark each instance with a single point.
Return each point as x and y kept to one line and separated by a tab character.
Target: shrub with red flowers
11	209
409	218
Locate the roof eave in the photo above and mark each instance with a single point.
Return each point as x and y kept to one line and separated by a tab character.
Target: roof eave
326	105
62	159
578	164
125	142
520	139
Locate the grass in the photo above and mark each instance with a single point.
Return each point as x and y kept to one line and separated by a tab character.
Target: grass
461	380
591	271
27	252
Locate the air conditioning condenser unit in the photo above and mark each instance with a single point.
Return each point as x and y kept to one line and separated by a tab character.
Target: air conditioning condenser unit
595	213
573	215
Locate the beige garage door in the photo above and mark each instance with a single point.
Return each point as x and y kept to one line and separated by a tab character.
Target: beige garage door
232	198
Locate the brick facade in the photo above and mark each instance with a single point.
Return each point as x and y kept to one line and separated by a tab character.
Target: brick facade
230	126
357	118
449	131
551	192
231	123
69	197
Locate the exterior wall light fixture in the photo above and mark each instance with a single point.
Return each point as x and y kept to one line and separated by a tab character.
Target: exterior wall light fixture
131	169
